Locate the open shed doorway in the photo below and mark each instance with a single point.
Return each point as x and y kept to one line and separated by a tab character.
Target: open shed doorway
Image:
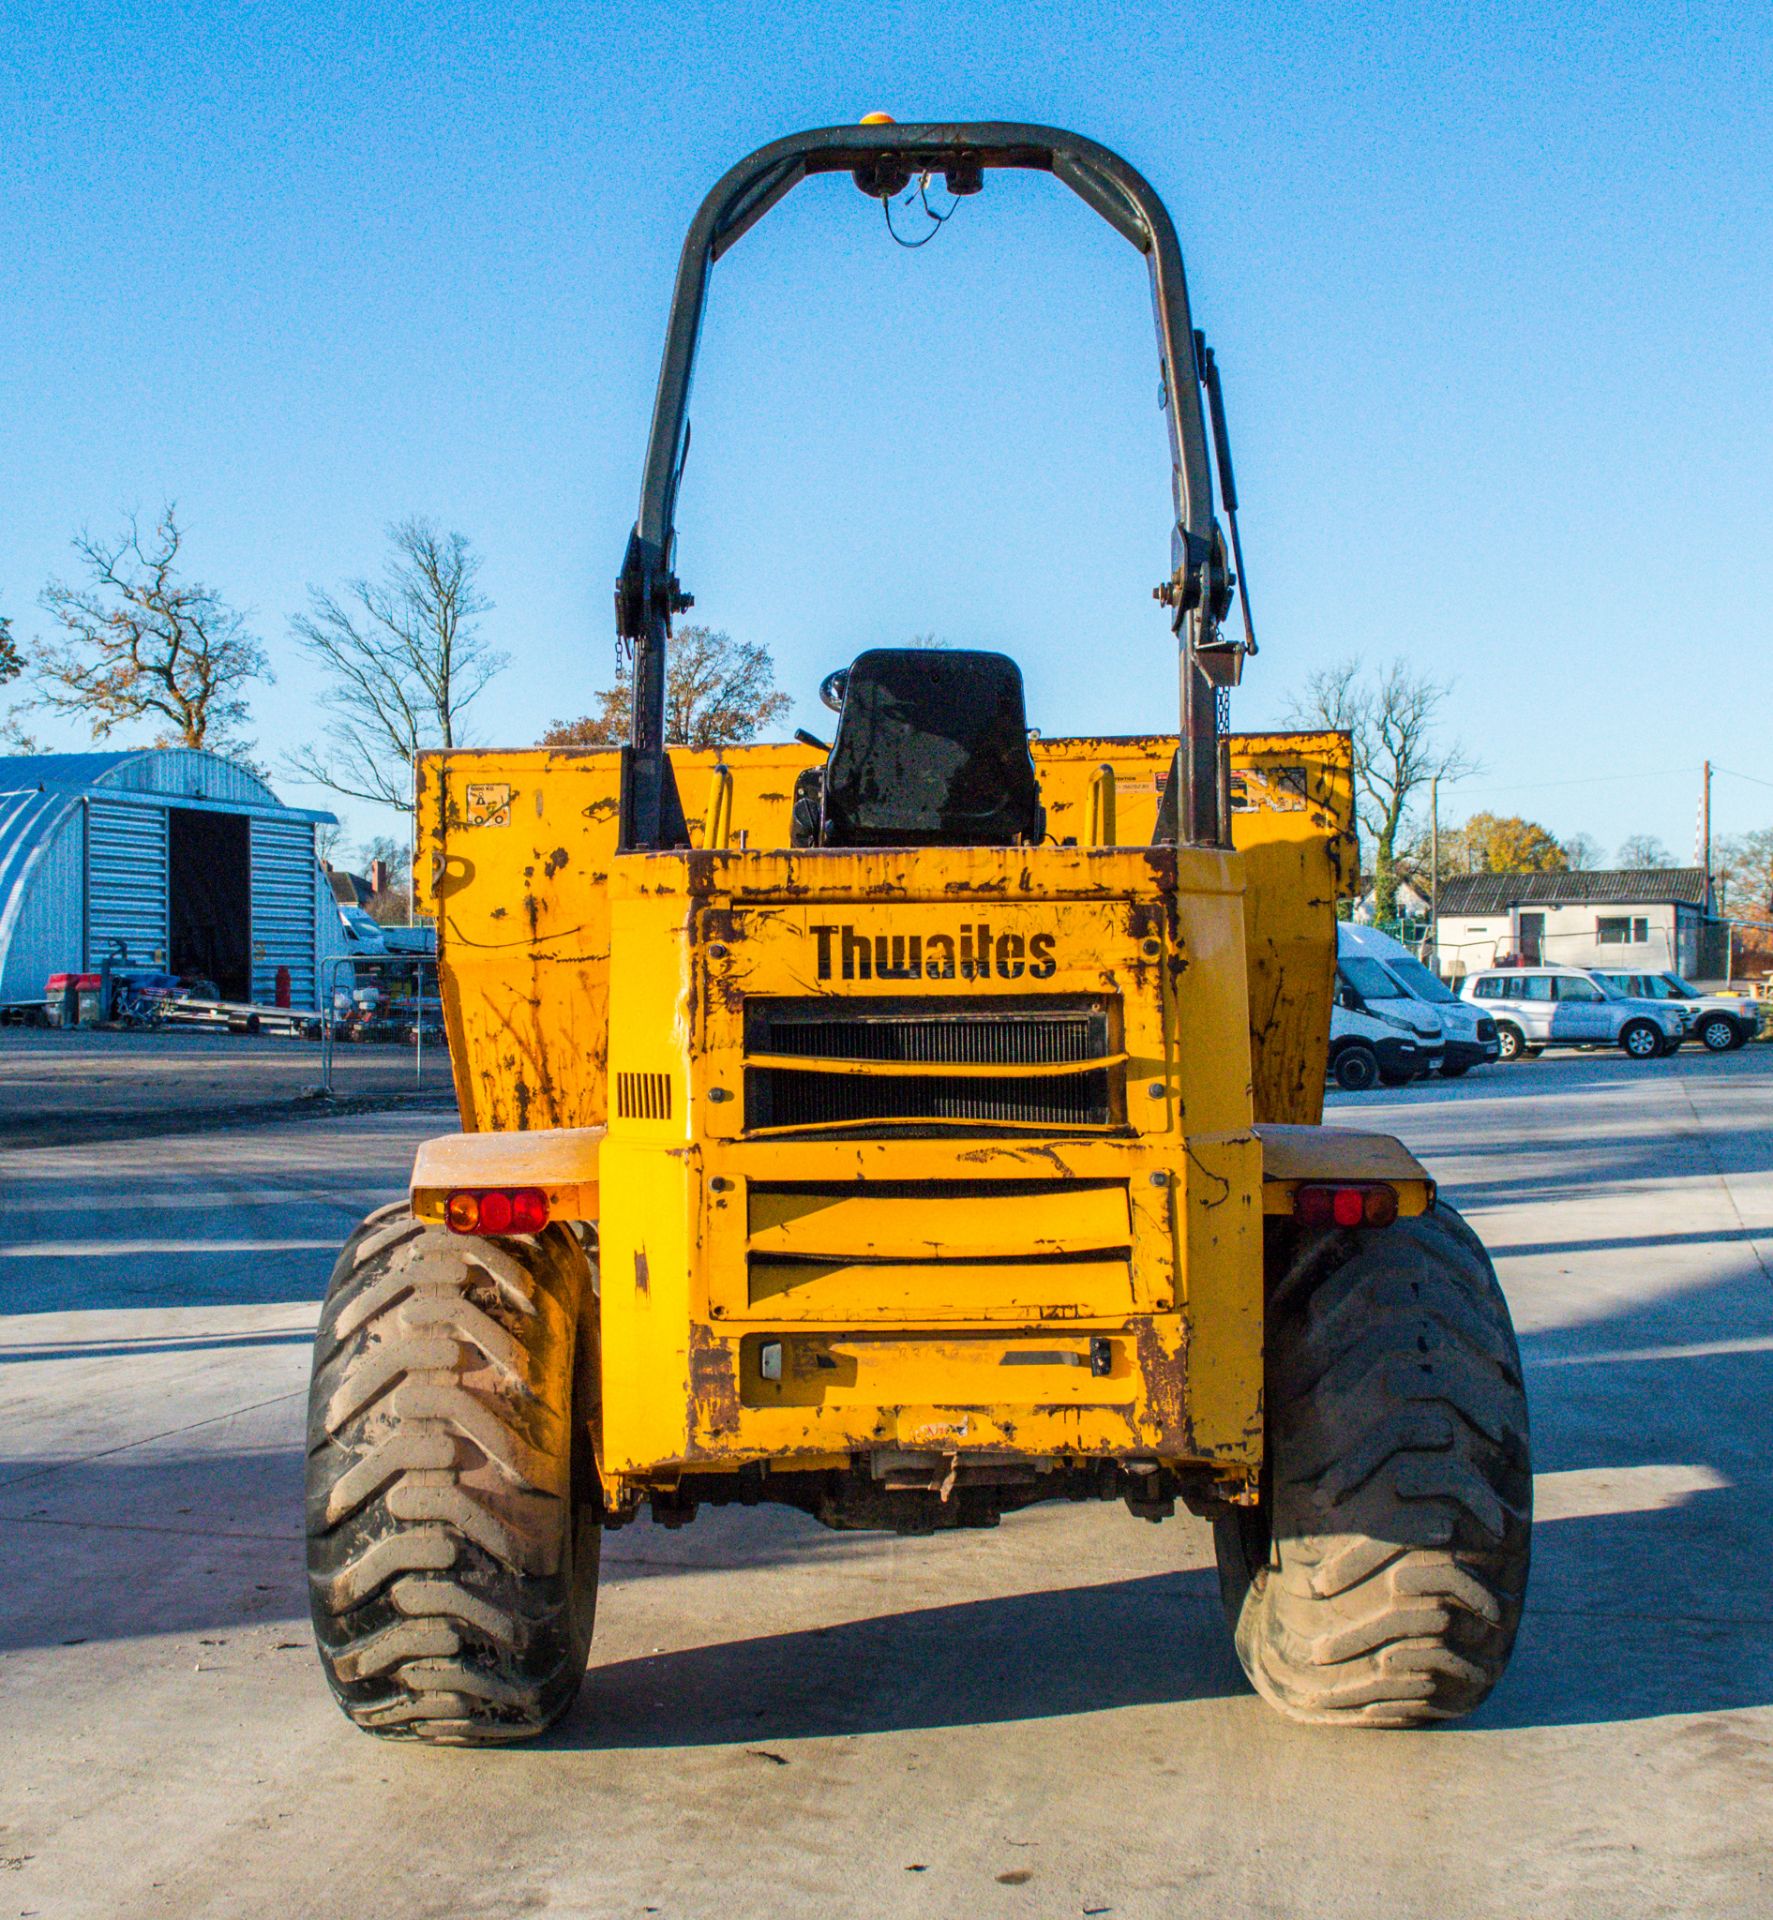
209	903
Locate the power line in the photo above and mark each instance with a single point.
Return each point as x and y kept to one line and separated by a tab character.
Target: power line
1590	780
1754	780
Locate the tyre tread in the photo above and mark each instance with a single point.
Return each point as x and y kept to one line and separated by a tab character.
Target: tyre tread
1401	1491
444	1584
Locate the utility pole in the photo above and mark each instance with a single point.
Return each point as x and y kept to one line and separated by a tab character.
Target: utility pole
1705	831
1434	866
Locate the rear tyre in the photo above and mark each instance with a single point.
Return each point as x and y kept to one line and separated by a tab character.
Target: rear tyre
1511	1042
1718	1032
1356	1068
453	1524
1642	1039
1381	1580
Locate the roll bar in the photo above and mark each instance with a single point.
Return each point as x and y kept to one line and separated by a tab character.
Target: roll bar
883	159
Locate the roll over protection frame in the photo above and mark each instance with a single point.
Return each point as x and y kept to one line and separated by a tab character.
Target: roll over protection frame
881	159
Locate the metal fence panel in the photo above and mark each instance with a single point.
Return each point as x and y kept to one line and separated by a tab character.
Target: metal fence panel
402	1046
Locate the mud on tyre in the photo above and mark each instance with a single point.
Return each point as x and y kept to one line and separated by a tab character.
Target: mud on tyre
452	1516
1381	1581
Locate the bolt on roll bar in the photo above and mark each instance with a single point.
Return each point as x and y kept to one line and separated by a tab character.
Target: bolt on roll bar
882	159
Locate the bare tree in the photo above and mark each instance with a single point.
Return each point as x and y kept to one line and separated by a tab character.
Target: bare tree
403	658
1582	851
1644	850
392	906
142	643
719	692
12	664
1744	867
1392	719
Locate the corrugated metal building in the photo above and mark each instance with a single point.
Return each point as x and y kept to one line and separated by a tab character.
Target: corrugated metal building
169	856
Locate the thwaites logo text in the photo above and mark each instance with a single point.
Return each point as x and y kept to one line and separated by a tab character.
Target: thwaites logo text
972	952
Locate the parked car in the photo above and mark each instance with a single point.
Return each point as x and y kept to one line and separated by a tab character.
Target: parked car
1539	1007
1470	1035
1719	1021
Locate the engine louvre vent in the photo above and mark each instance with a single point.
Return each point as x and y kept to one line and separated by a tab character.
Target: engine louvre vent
643	1096
971	1036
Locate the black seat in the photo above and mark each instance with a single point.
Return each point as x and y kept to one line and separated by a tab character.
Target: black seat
931	750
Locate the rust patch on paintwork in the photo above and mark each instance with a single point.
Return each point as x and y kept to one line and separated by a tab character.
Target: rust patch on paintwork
1220	1191
714	1384
643	1280
978	1155
1166	1391
555	861
532	1052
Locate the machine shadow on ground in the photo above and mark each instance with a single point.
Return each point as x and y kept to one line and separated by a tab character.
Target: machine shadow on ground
1152	1640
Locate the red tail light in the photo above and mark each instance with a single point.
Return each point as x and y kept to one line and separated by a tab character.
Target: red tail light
1354	1203
497	1210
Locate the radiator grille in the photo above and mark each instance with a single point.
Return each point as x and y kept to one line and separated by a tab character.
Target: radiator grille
945	1039
643	1096
973	1035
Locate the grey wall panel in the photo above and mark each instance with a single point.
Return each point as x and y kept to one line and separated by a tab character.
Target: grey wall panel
286	879
125	881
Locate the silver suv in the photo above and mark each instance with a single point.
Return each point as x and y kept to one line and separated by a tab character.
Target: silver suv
1539	1007
1718	1021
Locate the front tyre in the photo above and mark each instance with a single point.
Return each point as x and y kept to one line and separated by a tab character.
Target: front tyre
1511	1043
1642	1039
1380	1583
1356	1068
1718	1033
453	1524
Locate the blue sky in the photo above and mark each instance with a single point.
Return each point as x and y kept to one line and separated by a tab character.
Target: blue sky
1490	287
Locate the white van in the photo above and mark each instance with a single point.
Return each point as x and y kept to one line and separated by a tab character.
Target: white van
1471	1036
1374	1016
1369	1049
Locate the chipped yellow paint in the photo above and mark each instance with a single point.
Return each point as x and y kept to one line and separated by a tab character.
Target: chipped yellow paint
929	1288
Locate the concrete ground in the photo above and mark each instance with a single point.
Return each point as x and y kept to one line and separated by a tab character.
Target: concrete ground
87	1084
1041	1721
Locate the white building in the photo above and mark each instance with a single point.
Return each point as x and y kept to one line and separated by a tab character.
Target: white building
1649	919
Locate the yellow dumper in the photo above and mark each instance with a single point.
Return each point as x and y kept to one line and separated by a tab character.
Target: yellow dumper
908	1130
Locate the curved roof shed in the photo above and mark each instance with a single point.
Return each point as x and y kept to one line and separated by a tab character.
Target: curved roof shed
165	855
